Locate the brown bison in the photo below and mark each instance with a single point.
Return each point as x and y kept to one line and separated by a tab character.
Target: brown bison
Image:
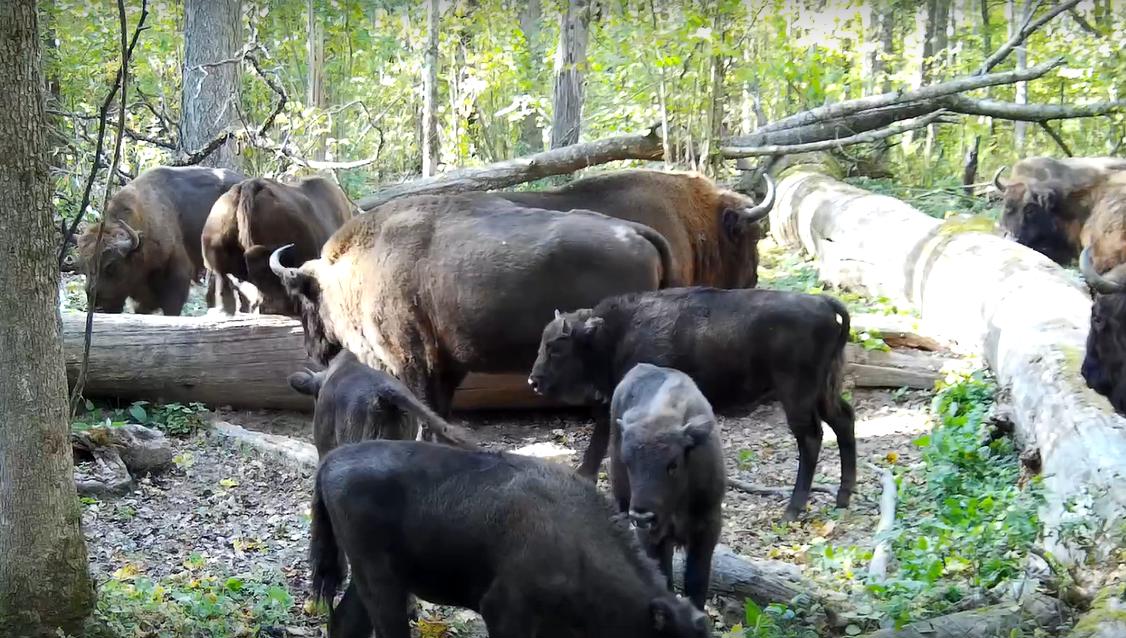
252	220
150	241
713	232
1048	200
432	287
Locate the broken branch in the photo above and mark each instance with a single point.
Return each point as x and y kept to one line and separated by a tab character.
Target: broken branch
881	554
1026	30
733	152
763	490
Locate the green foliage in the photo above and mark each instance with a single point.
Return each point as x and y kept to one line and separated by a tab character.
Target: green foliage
776	621
175	419
193	603
938	200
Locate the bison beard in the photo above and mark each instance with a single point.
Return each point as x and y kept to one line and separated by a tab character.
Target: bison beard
737	345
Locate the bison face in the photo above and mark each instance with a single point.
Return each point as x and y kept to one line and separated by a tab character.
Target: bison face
655	453
120	271
1104	366
305	291
740	267
1032	217
271	295
675	617
560	370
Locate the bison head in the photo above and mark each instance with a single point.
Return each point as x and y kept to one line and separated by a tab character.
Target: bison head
305	291
562	369
1033	217
655	450
271	295
116	258
741	234
675	617
1104	365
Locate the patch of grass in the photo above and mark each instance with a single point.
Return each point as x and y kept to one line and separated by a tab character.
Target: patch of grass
776	621
175	419
192	603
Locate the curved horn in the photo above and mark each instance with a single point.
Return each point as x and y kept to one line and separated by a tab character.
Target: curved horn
283	272
1095	280
134	237
762	209
997	183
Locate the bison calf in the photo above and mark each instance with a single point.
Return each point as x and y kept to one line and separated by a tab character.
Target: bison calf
738	345
666	470
532	548
358	403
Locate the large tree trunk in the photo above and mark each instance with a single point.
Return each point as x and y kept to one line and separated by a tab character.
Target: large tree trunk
212	32
1016	16
1027	315
314	73
430	149
570	80
244	361
44	579
531	136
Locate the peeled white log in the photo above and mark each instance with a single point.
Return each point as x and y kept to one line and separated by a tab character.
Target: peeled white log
1028	317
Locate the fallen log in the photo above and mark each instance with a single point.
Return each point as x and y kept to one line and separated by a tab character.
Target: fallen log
1037	610
881	553
897	331
1027	316
243	362
557	161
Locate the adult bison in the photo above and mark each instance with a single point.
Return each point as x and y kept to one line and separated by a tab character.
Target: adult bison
432	287
739	346
150	249
1048	200
252	220
713	232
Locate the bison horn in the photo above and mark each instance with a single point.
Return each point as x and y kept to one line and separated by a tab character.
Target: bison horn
762	209
283	272
997	183
1095	280
134	237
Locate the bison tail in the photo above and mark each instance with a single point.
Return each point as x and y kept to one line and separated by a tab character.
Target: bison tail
454	435
325	561
670	277
245	192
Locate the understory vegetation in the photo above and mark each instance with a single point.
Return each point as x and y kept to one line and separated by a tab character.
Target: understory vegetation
175	419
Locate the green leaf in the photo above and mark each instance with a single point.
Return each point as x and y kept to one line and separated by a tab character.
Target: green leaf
234	584
852	630
137	411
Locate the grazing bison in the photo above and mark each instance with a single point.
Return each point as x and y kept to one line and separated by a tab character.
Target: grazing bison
252	219
666	470
432	287
713	232
358	403
150	238
532	548
1047	201
738	346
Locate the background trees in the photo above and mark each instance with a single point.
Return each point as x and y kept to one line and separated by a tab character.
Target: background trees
44	580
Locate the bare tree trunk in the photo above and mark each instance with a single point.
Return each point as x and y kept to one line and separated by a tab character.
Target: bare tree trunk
934	69
44	578
929	29
570	83
531	135
1016	15
430	93
711	157
212	32
314	78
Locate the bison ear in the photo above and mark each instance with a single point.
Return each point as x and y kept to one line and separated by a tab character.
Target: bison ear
589	328
306	382
732	224
697	430
662	614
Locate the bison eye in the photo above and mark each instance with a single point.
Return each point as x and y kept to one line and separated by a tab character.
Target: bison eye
673	467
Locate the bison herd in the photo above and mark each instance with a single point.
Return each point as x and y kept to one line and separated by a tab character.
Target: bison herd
632	293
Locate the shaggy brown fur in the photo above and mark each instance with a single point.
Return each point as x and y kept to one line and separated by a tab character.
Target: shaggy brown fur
150	245
257	216
713	238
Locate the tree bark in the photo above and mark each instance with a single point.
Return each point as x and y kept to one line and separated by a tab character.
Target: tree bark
212	32
570	80
1017	10
531	135
1004	619
1027	315
712	159
314	74
44	579
430	151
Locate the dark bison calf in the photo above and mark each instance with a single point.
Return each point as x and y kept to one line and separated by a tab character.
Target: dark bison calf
356	403
666	470
738	345
531	547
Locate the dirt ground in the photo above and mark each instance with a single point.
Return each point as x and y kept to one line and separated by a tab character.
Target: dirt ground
243	513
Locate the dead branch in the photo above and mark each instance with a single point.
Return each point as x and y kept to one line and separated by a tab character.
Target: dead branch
1029	112
763	490
882	553
1028	28
1056	137
849	107
103	115
732	152
1083	24
567	159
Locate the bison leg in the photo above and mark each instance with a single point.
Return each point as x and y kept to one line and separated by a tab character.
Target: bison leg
505	613
349	619
698	561
842	420
599	441
805	425
172	293
385	598
619	482
224	294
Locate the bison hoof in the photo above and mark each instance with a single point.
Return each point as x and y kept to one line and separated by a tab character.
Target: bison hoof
791	515
843	499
